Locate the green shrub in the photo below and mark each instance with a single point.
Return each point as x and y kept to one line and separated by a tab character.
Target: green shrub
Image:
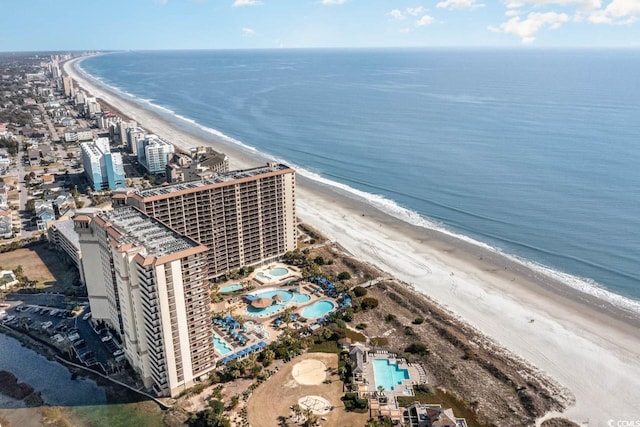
359	291
344	276
417	348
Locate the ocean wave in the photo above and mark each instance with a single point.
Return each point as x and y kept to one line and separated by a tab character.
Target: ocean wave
386	205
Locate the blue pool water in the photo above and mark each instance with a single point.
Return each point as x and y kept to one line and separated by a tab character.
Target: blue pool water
278	272
317	309
261	275
221	346
387	374
268	311
285	295
286	298
230	288
300	298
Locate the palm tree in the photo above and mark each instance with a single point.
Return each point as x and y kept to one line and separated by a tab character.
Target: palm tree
297	410
311	418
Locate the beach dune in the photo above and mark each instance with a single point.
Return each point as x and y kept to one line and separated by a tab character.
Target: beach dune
587	345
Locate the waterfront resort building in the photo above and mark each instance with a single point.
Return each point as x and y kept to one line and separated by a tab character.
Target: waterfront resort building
150	284
103	168
153	154
245	217
201	163
133	135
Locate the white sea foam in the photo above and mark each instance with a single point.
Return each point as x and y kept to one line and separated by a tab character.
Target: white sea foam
386	205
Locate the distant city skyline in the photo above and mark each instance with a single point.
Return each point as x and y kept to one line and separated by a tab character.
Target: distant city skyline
245	24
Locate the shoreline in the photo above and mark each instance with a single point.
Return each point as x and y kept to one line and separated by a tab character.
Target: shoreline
586	344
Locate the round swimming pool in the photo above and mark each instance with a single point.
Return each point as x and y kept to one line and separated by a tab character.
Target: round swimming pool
278	272
230	288
317	309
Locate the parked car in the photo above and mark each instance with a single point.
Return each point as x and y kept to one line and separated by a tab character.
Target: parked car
86	316
46	325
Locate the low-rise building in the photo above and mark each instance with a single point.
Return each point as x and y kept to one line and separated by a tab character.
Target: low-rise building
76	135
6	223
201	163
427	415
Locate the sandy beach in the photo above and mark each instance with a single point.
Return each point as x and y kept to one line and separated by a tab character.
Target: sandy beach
586	345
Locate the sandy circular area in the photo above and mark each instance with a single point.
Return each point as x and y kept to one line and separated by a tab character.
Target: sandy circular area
318	405
309	372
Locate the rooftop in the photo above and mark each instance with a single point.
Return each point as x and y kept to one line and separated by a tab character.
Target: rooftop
225	177
66	229
140	230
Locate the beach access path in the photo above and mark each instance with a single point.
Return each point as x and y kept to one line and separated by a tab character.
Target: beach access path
586	345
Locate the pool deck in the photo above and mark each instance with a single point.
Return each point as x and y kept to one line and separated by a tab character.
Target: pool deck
263	329
403	389
386	404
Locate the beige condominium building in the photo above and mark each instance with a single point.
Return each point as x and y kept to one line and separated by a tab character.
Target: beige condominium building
245	217
150	284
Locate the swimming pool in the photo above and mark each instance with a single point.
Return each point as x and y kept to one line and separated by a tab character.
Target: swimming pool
300	298
285	297
221	346
230	288
317	309
267	311
387	374
279	271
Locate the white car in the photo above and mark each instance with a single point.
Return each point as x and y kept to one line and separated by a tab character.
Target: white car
118	352
46	325
106	338
87	316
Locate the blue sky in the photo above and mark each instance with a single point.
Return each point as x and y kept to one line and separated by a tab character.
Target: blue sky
219	24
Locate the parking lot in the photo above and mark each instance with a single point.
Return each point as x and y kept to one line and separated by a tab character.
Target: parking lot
72	333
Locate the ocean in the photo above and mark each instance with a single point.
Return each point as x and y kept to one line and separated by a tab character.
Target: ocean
532	152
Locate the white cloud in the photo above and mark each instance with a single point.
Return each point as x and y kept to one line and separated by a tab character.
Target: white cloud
617	12
580	4
415	11
512	12
425	20
396	14
239	3
248	32
327	2
459	4
527	29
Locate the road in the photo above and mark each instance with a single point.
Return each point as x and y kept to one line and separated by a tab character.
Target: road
23	193
52	129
